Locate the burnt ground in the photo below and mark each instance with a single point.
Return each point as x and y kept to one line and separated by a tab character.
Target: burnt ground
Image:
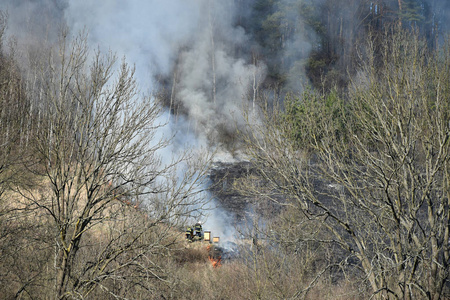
225	178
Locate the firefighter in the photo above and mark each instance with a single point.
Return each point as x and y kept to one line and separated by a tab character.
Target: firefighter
198	229
189	233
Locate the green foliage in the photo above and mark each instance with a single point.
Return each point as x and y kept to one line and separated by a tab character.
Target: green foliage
311	15
275	25
412	11
372	170
334	30
314	108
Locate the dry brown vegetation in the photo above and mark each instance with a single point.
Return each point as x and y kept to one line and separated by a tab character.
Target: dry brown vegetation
365	174
182	269
87	206
345	197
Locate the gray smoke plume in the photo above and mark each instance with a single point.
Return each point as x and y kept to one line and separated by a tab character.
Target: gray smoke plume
148	33
213	82
194	41
197	41
32	22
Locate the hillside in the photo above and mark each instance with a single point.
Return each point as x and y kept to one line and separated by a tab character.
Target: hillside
115	119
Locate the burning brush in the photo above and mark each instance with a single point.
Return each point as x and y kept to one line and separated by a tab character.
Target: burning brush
214	255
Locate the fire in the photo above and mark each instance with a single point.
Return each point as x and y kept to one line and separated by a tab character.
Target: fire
215	261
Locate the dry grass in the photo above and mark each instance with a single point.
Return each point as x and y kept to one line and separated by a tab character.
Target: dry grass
188	272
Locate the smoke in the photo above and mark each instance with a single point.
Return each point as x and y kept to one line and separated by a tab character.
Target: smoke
196	42
199	43
32	26
220	223
33	22
147	33
198	39
213	84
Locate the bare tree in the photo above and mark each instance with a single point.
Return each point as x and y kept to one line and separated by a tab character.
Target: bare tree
110	197
22	257
13	109
211	21
371	173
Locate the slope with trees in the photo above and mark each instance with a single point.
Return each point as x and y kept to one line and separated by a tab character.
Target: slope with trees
346	190
368	175
99	204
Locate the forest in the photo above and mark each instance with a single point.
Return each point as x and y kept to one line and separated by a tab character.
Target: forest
313	136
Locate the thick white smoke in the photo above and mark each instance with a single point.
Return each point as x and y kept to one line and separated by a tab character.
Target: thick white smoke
214	85
197	40
148	33
199	35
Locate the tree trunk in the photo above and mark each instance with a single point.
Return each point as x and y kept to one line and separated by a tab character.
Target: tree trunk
61	275
213	53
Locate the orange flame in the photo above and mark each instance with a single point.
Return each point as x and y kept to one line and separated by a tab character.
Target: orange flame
216	262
